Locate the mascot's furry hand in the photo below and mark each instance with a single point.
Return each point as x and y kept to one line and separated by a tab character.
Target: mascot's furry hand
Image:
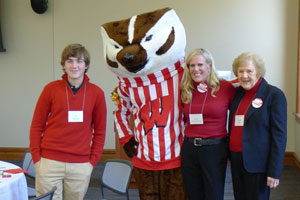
130	147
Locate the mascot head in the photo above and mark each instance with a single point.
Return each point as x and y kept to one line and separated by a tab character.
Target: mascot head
144	44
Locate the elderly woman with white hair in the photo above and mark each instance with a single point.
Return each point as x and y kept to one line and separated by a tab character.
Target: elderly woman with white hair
257	129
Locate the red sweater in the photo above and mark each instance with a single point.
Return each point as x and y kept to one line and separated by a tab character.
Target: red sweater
236	132
214	112
53	137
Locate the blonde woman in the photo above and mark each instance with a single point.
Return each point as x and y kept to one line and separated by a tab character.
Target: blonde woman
206	100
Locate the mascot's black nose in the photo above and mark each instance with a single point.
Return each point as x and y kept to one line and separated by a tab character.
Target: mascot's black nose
128	58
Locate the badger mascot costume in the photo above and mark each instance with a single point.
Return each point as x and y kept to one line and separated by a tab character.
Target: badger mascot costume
146	52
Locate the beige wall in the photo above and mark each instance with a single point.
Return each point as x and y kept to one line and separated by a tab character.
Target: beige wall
227	28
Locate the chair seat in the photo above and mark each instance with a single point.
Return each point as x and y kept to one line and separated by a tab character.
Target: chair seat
31	192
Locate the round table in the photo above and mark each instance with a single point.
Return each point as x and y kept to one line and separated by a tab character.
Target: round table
14	187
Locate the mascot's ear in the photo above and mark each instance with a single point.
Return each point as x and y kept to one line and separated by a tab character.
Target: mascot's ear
39	6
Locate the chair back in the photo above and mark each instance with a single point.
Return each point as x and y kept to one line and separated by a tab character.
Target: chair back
47	196
116	175
28	164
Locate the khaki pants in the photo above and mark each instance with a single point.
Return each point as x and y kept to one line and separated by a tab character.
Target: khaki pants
71	179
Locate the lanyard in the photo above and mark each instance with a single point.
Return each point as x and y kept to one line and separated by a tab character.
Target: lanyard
202	104
82	100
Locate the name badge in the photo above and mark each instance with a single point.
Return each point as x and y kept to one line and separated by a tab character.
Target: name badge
239	120
196	118
75	116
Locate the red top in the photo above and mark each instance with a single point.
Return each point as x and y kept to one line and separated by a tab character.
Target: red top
236	132
215	112
53	137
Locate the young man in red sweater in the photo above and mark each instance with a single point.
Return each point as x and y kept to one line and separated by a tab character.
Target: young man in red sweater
67	133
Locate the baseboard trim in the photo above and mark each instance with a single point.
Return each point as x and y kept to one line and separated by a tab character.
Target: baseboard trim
12	153
108	154
297	162
15	153
289	159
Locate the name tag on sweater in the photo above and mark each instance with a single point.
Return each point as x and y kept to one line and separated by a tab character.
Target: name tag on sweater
239	120
75	116
196	118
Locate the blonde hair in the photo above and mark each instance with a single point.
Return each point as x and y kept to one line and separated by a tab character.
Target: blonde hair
187	86
255	58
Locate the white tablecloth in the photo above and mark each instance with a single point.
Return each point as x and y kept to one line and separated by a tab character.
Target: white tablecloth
14	187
